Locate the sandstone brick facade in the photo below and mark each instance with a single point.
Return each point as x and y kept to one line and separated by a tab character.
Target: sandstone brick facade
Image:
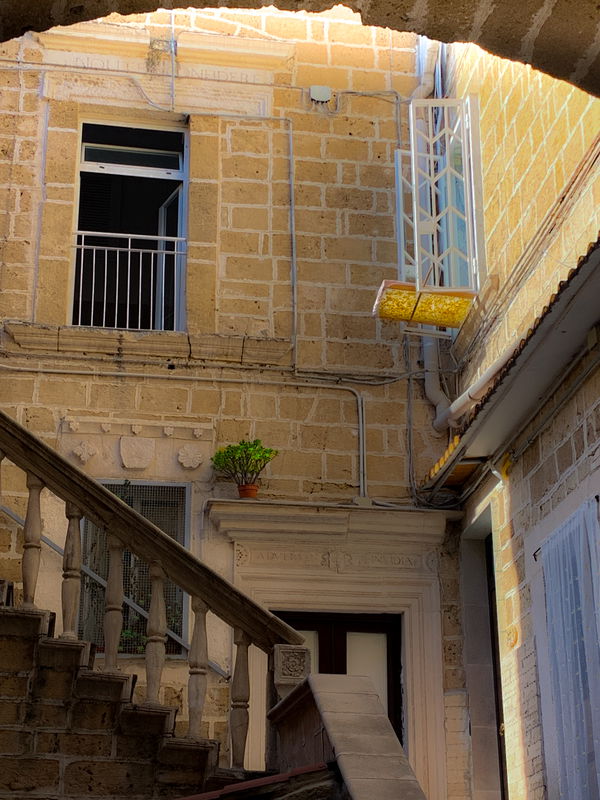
290	230
539	142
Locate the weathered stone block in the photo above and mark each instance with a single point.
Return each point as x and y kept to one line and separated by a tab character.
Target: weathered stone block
10	712
29	775
74	744
45	714
92	715
107	778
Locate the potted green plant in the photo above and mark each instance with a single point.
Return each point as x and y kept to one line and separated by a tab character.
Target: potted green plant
243	462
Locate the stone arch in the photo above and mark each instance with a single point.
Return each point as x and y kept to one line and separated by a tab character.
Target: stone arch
559	37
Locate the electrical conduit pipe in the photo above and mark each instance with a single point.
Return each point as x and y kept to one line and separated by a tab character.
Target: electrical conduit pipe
449	417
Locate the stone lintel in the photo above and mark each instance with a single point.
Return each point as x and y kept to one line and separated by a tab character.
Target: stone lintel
266	522
207	48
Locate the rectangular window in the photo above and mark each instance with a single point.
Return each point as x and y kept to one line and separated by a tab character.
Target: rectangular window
130	244
571	711
440	242
165	506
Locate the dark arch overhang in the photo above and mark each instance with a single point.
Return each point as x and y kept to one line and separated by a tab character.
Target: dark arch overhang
561	38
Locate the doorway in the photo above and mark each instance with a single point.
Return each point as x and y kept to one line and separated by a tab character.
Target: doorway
357	644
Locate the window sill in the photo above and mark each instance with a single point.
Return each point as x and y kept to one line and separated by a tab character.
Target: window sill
160	344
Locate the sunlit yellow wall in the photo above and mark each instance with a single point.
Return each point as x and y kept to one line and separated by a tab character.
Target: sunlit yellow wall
537	140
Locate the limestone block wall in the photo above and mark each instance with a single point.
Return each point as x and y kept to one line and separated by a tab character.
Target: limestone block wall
290	230
553	475
540	193
256	145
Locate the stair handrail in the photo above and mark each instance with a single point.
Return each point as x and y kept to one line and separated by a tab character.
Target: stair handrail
128	601
142	537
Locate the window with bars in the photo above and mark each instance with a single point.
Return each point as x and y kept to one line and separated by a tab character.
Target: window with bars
442	242
441	261
165	506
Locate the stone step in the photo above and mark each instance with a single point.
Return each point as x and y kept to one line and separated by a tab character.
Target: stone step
147	719
107	686
57	664
184	764
20	631
26	622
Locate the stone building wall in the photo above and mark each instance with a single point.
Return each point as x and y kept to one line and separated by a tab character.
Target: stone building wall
239	293
539	151
540	187
555	474
256	142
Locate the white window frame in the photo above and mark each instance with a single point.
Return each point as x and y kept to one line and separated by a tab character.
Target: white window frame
410	221
144	172
109	168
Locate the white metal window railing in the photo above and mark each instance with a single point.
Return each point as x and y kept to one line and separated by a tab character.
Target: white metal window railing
128	281
439	239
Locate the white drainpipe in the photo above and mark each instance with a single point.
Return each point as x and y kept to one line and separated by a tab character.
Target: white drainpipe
433	389
448	417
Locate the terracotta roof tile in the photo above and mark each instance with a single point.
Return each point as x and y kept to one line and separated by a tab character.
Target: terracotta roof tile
472	414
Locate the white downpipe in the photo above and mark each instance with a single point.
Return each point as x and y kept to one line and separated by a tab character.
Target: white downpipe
433	389
425	87
475	392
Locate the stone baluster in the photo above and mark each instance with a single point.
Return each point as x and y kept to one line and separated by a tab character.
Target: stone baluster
156	631
113	614
71	586
32	533
271	754
198	659
240	695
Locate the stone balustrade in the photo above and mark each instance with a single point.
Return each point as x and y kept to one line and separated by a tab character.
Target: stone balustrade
84	497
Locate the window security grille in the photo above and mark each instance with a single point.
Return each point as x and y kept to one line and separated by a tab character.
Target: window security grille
165	507
439	241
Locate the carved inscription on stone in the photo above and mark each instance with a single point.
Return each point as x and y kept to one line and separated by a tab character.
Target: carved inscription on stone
334	560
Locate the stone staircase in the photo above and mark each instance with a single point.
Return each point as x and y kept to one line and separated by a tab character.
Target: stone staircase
69	732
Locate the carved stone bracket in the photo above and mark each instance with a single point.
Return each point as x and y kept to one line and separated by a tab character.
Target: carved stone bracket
292	666
84	451
190	456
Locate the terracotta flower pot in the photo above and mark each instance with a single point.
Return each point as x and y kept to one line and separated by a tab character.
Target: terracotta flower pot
248	490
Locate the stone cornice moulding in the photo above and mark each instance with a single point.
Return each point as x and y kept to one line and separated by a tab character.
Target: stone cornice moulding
195	47
170	344
238	520
191	430
264	522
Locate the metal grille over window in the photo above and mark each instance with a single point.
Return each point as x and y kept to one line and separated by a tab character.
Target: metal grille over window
165	507
439	251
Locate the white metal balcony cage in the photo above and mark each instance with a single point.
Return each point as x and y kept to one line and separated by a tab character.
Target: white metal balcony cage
440	250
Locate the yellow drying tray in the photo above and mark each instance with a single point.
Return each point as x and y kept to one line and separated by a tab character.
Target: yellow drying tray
433	305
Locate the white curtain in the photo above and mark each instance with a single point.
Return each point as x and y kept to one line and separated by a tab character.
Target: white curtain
571	564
